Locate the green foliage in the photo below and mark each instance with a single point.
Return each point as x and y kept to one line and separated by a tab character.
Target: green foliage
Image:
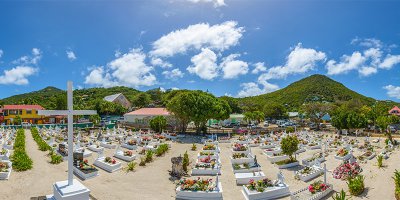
158	123
17	120
197	106
290	129
254	116
356	185
289	146
149	156
274	110
384	121
43	146
194	147
20	160
340	195
396	179
161	150
95	119
56	159
379	160
233	104
185	161
315	111
142	161
313	88
141	100
105	108
131	166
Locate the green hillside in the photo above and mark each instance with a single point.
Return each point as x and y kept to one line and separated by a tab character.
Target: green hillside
313	88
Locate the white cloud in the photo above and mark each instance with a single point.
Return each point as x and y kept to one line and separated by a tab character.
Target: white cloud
346	64
17	75
367	42
218	37
390	61
160	62
204	65
392	91
1	53
232	68
27	60
174	88
259	67
129	70
366	71
253	89
216	3
299	61
71	55
173	74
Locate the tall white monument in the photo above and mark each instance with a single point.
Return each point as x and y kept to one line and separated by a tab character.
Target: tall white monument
71	189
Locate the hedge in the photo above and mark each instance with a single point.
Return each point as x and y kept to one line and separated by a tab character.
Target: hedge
43	146
20	160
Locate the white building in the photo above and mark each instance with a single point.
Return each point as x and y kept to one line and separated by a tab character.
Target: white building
142	117
119	99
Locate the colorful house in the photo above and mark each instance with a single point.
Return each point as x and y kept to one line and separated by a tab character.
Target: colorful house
27	113
395	111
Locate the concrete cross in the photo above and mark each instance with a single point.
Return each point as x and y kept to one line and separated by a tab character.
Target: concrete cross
70	113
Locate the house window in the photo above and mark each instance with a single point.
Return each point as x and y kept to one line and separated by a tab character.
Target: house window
13	112
28	112
20	112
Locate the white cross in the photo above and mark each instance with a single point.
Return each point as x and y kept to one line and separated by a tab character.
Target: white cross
70	113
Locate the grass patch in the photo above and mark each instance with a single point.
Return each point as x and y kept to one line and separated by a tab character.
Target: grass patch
43	146
20	160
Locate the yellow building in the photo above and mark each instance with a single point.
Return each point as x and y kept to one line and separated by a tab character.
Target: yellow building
27	113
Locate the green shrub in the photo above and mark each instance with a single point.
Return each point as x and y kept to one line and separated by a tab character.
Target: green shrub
380	161
289	145
142	161
20	160
131	166
56	159
340	196
162	149
194	147
43	146
149	156
185	162
396	179
356	185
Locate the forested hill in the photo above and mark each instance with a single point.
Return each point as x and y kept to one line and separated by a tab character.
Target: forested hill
313	88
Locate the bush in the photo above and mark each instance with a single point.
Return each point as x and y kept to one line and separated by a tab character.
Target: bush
43	146
56	159
142	161
356	185
20	160
290	129
289	145
185	162
380	161
131	166
194	147
149	156
396	179
162	149
340	196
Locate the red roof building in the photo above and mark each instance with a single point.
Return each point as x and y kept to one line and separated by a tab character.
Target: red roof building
150	112
142	116
395	111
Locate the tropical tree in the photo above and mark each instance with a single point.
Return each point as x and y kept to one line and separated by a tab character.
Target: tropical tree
274	110
384	121
158	123
17	120
141	100
289	146
95	119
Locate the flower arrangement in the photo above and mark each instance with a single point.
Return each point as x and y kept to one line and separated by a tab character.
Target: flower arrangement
145	138
3	167
315	156
346	171
209	147
238	155
305	170
205	165
110	160
9	142
206	159
205	185
132	142
242	138
317	186
260	185
85	165
128	153
241	166
342	152
206	153
173	134
267	142
239	147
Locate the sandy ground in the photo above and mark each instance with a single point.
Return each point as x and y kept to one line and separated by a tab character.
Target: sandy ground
152	181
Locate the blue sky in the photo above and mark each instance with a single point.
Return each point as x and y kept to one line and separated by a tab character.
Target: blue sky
237	48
